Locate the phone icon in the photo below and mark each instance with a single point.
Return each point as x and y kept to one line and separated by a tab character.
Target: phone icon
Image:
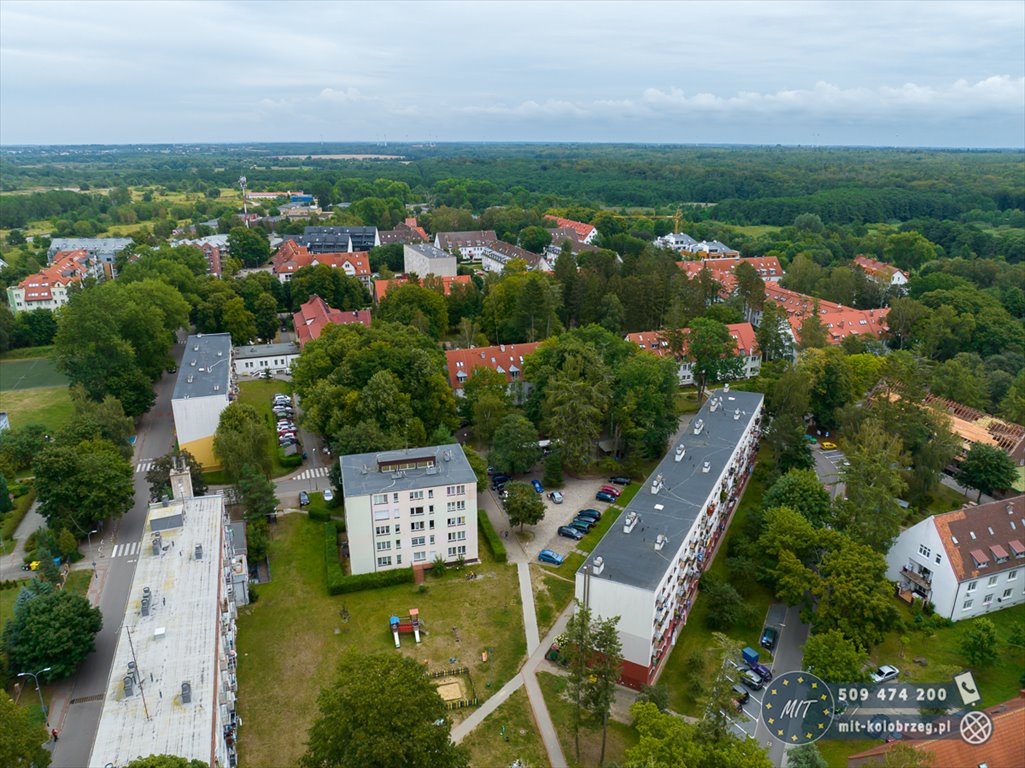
967	688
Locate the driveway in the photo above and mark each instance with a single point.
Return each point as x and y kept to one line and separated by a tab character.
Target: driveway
829	468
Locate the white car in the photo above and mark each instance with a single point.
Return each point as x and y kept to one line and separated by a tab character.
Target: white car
329	495
555	496
884	673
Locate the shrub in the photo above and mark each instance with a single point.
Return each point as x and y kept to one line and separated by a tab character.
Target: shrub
490	537
318	515
289	461
438	567
339	584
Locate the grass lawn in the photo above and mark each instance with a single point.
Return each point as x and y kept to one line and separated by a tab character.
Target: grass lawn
258	394
757	230
316	506
686	401
25	353
290	639
488	748
835	751
685	673
620	736
943	499
7	598
49	406
13	518
569	566
30	373
78	581
997	683
551	596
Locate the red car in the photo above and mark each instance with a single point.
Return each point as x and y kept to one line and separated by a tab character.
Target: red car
611	489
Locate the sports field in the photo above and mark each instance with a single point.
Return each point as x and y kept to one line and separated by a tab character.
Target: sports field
29	374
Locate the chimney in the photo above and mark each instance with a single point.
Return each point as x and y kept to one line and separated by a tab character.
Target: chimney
180	479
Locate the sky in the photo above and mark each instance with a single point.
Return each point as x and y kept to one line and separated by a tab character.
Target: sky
948	74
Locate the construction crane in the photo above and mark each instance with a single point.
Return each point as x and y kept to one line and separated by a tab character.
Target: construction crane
676	217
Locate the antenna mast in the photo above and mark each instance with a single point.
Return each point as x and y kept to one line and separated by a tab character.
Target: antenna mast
245	209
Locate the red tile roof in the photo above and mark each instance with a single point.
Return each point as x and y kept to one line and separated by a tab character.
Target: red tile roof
967	532
768	268
447	240
504	358
1005	748
879	270
582	230
291	257
652	341
315	315
67	267
839	321
381	287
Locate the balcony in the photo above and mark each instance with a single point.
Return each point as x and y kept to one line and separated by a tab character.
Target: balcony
921	580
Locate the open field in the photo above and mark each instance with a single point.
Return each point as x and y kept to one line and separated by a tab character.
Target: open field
30	373
24	353
258	394
756	230
290	639
489	748
50	406
551	596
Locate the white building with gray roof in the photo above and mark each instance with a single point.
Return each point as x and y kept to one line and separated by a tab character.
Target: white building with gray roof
646	568
104	249
409	507
204	388
425	259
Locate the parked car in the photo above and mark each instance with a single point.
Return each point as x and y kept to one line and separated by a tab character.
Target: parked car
740	696
594	514
491	470
570	532
304	498
590	522
761	670
581	525
769	637
619	480
611	489
537	486
750	680
885	673
329	495
500	479
604	496
548	556
555	496
284	442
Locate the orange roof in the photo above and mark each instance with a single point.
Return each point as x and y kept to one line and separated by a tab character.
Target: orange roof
1005	748
504	358
315	315
67	267
878	269
969	534
839	321
381	287
583	231
411	224
291	257
767	267
652	341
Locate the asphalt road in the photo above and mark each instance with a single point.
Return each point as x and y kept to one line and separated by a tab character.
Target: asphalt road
828	466
116	559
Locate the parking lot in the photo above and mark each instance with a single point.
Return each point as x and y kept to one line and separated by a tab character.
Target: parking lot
829	465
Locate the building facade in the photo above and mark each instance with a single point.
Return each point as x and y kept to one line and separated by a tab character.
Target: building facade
172	687
257	359
408	508
425	259
315	315
50	287
103	249
968	562
646	568
506	359
470	245
204	387
742	333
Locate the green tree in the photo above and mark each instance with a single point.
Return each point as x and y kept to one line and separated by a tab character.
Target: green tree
573	412
713	353
806	756
726	607
978	642
104	420
553	469
166	761
415	305
21	739
484	382
6	504
80	485
874	482
579	641
1012	407
256	493
812	333
523	505
853	594
986	468
668	740
788	403
835	658
801	490
642	404
381	712
241	439
265	315
332	285
515	449
750	287
159	474
535	239
248	245
773	333
55	630
604	668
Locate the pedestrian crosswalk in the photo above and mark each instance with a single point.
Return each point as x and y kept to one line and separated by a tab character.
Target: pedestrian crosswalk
126	550
309	474
144	466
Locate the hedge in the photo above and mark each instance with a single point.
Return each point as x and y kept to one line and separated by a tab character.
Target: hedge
289	461
318	515
339	584
491	537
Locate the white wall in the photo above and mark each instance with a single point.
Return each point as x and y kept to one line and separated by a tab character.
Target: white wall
635	608
359	525
197	417
251	366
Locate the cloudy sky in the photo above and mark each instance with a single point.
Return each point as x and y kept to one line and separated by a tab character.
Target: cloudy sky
876	73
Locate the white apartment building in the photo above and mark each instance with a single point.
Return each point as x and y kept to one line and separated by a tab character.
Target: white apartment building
746	346
172	684
204	388
256	359
646	568
425	259
409	507
968	563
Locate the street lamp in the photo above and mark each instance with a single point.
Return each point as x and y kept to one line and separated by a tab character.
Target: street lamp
35	677
90	535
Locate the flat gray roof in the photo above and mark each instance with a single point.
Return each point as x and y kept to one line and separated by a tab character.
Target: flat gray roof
206	366
631	558
442	465
267	350
428	250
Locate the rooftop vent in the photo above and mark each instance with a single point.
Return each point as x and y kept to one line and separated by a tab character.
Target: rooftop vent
726	387
714	404
195	347
364	469
736	413
447	455
657	484
186	692
145	606
698	426
129	682
680	451
156	543
598	565
199	552
660	541
706	467
630	521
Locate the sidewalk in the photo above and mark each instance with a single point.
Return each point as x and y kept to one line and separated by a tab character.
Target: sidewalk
10	565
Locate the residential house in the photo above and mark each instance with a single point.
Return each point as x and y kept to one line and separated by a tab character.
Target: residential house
881	272
172	688
291	257
406	232
470	245
328	239
300	210
409	507
315	315
584	233
646	568
742	333
103	249
838	320
48	288
967	563
425	259
260	359
506	359
561	236
498	254
677	241
724	269
711	248
204	388
214	247
443	284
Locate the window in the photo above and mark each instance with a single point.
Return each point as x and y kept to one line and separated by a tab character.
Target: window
416	495
430	524
456	506
382	530
1012	575
992	581
972	585
395	497
380	498
456	551
454	521
457	536
430	540
383	561
417	541
967	604
417	525
419	557
1006	595
398	559
383	546
924	551
397	527
456	490
430	493
416	511
987	599
938	558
